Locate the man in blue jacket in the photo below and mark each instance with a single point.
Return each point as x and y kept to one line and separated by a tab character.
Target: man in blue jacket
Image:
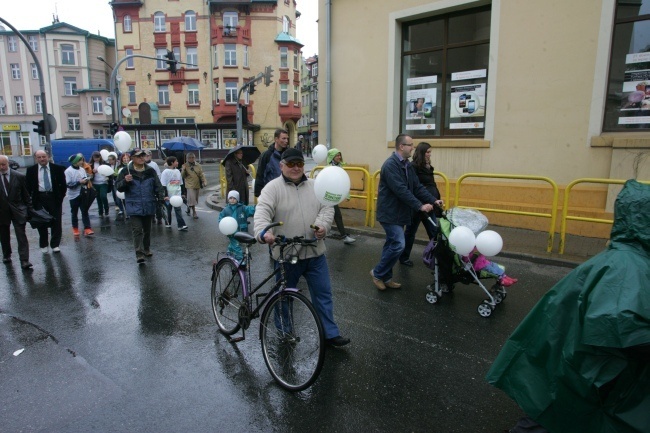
400	194
142	190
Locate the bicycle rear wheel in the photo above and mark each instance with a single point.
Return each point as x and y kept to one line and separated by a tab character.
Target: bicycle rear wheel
293	342
227	295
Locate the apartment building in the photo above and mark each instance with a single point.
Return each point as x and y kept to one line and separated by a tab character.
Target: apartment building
308	125
221	45
75	84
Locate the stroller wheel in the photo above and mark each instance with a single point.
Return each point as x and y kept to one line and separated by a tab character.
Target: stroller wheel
431	298
485	309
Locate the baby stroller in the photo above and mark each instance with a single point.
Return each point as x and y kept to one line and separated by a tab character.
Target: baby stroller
449	267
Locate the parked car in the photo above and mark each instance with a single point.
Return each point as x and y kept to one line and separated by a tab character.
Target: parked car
13	164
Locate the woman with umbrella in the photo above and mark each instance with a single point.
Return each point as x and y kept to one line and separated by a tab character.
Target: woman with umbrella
194	179
237	172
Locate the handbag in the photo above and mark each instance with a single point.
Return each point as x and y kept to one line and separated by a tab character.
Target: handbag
87	197
39	218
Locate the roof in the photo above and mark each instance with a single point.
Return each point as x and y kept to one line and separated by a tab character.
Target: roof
286	37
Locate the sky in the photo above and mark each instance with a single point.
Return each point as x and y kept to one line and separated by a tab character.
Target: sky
34	14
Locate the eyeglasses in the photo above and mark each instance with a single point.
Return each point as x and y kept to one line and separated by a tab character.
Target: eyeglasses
292	164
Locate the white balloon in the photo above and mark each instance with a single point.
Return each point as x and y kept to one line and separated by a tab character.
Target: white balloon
463	240
489	243
122	140
113	154
228	226
120	195
104	154
332	185
319	154
105	170
176	201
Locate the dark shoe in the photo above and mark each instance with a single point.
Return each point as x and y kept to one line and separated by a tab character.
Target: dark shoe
148	253
407	262
159	222
26	265
6	260
140	260
337	341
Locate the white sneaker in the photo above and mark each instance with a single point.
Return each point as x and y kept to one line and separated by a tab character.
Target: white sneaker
349	240
183	229
56	250
168	225
44	250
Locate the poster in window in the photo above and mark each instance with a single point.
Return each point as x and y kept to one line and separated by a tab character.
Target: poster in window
421	105
635	98
467	101
229	138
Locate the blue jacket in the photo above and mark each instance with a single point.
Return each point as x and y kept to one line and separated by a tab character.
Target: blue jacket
239	212
399	196
142	193
268	168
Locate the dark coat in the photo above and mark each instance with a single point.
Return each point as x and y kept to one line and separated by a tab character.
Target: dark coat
14	207
400	195
57	176
237	178
143	192
267	169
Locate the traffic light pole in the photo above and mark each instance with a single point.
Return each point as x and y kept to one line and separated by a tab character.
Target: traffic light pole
266	75
41	84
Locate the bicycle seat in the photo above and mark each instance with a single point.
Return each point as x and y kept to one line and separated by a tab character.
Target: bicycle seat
245	238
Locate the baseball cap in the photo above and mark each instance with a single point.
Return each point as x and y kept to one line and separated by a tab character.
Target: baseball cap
292	154
137	152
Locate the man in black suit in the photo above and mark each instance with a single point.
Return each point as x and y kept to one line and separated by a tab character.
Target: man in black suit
14	202
47	188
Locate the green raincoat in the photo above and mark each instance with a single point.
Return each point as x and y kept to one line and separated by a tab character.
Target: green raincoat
571	365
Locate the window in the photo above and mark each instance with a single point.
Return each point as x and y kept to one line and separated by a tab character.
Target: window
12	44
245	56
314	70
284	94
34	71
97	105
131	88
33	42
168	135
160	55
216	93
296	100
192	58
231	92
25	143
284	61
295	59
444	74
98	133
159	22
5	142
163	95
69	86
38	104
286	24
209	137
177	54
215	56
129	62
67	54
19	102
190	21
627	105
230	57
73	122
3	106
193	94
126	24
15	71
230	20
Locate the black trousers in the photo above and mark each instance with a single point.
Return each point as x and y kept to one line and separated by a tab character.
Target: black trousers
21	237
50	204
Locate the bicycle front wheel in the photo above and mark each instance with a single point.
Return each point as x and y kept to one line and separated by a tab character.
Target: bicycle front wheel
227	295
293	342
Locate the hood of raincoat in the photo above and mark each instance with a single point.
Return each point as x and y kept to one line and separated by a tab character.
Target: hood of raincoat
331	154
571	363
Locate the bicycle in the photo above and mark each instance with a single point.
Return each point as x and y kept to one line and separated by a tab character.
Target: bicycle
292	336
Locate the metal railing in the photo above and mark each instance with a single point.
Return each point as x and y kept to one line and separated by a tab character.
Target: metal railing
367	197
222	178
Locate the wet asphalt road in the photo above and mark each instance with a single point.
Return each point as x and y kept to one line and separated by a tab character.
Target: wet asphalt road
137	349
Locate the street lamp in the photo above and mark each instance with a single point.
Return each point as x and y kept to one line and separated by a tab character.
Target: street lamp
114	97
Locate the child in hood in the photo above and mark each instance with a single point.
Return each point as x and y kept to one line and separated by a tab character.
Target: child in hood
241	213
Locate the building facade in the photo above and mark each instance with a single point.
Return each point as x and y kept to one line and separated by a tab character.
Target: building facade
546	88
221	44
75	84
308	125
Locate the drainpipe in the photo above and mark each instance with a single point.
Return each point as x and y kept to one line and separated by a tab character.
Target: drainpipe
328	74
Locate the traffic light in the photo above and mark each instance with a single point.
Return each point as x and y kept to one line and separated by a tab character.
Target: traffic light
113	128
40	127
251	88
268	74
171	62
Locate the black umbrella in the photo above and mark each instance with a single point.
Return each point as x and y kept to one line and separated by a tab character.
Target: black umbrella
251	153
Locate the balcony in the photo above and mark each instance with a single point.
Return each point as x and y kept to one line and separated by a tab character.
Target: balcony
229	32
289	112
230	35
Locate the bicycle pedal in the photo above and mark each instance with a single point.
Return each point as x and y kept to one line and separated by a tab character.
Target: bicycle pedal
236	339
